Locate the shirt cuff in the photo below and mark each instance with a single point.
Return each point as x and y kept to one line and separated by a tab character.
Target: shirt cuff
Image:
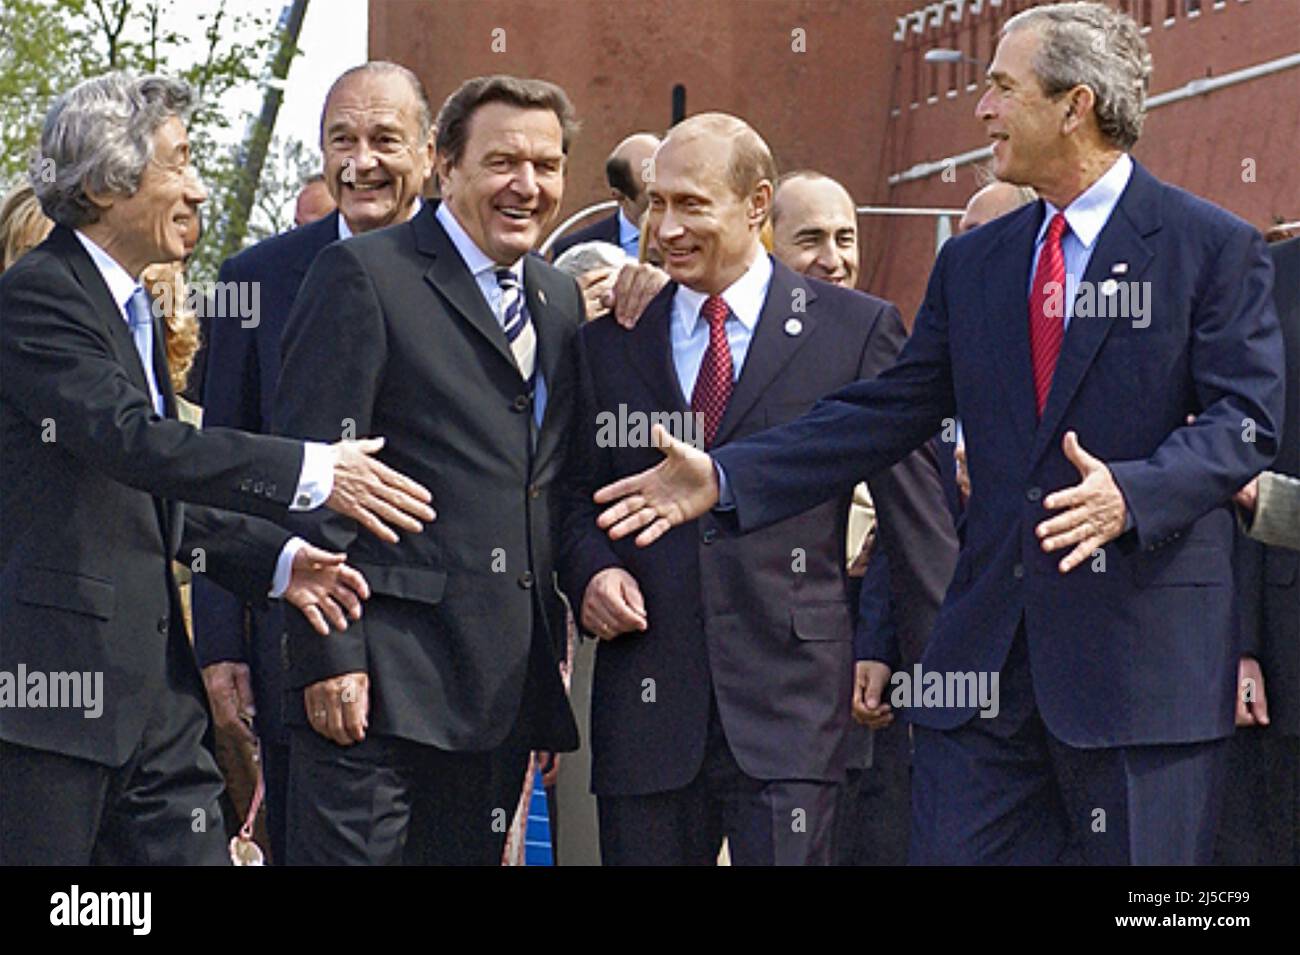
284	566
316	481
725	501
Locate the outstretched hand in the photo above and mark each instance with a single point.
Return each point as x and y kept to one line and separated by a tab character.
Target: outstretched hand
680	488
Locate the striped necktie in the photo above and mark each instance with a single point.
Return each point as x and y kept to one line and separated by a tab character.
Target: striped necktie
518	324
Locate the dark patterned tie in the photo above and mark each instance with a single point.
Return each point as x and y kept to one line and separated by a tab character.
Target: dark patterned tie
518	324
713	384
1047	311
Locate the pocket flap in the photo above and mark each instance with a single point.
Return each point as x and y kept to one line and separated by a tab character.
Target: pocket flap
409	583
822	622
62	590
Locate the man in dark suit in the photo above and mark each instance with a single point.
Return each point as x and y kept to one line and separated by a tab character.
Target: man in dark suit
1261	815
378	150
721	697
96	468
625	171
1095	578
410	734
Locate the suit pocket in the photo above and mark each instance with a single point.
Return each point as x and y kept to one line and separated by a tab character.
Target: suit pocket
423	584
1189	565
822	622
61	590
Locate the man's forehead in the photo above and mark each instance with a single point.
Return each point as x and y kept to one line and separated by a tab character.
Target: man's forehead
809	203
370	97
1014	54
503	124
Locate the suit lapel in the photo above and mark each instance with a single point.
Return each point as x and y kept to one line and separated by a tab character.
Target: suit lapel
1007	319
1120	241
316	236
451	279
772	347
552	328
649	350
111	313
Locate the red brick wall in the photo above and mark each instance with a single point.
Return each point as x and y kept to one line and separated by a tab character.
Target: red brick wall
828	105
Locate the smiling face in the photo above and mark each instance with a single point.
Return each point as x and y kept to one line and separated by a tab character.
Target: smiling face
506	188
376	162
815	230
1027	128
155	223
707	234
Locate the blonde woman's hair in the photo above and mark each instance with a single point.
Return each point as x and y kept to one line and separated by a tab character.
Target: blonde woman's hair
23	226
165	284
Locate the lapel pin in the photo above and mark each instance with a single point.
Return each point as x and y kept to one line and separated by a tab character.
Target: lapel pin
793	326
541	296
1109	287
1119	268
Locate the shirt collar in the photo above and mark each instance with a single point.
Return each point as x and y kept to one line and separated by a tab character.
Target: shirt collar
120	284
1088	214
475	258
627	229
345	231
745	297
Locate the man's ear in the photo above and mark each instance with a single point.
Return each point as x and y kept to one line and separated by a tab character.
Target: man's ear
1079	103
102	201
760	203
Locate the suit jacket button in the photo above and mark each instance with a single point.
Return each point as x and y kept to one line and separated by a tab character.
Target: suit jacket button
162	625
520	403
1018	571
534	491
710	535
526	580
1034	495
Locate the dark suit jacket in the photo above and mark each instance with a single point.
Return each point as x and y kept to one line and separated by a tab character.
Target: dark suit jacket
1137	645
764	620
90	506
1270	576
243	367
602	230
391	336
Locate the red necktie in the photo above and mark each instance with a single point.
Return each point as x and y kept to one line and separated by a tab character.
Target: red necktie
713	383
1047	310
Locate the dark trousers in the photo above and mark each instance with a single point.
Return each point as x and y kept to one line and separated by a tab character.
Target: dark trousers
1004	791
765	822
1261	810
159	808
390	801
874	815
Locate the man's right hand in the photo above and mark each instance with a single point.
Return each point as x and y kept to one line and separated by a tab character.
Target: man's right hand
230	694
373	494
636	285
1252	711
679	489
612	604
870	678
339	708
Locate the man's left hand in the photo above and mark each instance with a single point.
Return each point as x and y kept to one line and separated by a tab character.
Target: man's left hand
325	589
1094	510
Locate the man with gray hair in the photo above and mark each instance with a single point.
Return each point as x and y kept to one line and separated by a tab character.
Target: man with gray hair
1095	578
96	467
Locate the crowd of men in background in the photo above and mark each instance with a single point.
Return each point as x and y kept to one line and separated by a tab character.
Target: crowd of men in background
402	673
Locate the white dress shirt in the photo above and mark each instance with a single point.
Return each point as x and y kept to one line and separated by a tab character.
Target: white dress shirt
690	334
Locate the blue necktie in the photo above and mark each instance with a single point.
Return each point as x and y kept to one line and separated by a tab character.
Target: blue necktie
518	324
137	308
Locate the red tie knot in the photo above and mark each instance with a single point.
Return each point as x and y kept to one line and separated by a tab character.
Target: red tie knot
714	311
1057	227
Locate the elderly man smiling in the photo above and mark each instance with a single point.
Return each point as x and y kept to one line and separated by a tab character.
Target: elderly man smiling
95	468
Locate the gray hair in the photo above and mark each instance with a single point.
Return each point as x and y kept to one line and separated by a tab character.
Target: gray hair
585	256
423	109
1087	44
98	137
